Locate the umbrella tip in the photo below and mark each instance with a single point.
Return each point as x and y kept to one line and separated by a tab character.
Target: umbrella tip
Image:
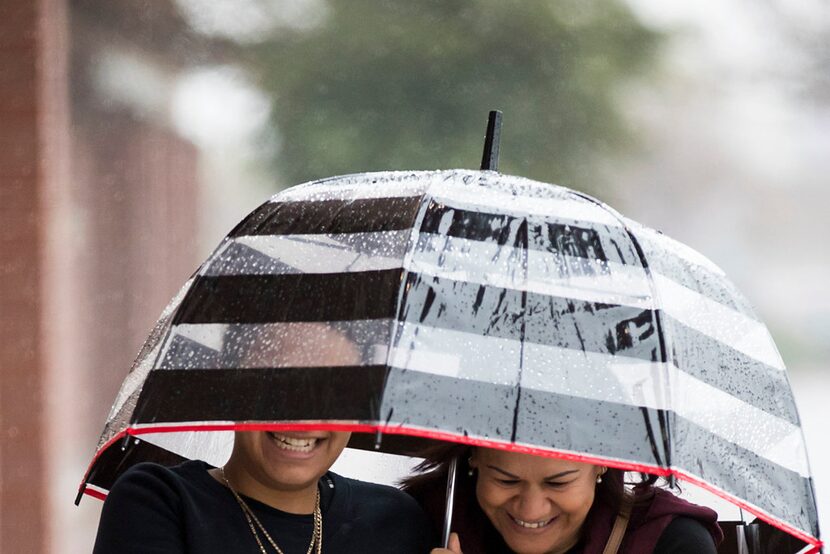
490	158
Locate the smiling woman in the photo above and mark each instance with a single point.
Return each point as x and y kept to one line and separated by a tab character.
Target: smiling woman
274	494
510	502
532	501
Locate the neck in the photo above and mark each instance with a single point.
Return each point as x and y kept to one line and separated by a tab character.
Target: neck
567	546
293	501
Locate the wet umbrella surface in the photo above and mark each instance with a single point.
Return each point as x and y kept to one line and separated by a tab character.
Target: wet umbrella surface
474	307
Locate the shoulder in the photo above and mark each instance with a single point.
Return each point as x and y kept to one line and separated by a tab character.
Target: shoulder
151	472
147	481
685	535
146	507
375	496
379	518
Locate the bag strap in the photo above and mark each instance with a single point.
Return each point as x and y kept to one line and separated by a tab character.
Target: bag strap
618	532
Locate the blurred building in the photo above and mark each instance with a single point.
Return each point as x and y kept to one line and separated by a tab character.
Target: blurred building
98	204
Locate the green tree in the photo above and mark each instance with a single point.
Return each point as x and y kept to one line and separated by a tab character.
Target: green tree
403	84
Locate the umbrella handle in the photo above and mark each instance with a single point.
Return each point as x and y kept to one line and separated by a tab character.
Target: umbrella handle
445	536
749	538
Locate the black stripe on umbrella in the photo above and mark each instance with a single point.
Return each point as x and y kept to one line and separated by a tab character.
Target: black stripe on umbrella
590	241
456	406
495	311
721	366
262	394
329	253
330	216
469	407
778	491
291	297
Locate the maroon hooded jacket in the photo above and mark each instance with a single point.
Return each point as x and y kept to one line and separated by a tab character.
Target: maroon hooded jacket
647	522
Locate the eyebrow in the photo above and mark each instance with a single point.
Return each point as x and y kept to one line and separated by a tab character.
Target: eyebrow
548	478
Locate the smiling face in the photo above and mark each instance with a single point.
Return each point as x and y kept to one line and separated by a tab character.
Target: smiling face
283	461
537	504
281	468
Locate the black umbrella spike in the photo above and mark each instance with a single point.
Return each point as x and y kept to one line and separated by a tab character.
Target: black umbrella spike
490	157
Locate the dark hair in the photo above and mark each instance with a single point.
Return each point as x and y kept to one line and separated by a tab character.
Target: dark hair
611	491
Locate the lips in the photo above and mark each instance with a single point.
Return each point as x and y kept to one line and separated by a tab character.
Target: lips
292	443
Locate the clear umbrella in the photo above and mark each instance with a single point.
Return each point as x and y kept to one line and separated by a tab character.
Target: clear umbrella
473	307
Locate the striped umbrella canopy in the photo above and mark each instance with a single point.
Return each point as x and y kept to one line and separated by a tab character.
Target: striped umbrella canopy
472	307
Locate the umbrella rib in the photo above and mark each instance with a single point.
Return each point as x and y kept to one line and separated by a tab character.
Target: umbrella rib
524	236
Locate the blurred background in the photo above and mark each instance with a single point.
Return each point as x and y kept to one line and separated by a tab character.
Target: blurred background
135	134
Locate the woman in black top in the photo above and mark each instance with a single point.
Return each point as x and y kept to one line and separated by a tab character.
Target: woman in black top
263	500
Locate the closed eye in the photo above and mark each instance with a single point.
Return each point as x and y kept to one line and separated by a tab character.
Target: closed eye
556	484
507	482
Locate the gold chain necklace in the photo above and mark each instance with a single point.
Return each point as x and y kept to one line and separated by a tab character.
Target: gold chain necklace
254	523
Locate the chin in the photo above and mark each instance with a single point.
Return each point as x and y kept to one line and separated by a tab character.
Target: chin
531	547
540	544
286	479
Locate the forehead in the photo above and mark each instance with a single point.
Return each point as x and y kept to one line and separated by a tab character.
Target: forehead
526	464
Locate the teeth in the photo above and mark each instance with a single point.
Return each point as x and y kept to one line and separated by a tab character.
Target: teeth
293	443
532	524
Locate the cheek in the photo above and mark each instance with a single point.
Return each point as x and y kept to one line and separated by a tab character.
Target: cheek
248	444
578	503
490	497
337	442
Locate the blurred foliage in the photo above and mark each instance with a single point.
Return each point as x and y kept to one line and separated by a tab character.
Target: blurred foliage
407	85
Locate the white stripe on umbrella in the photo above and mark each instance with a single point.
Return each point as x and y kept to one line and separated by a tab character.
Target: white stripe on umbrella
454	258
358	187
455	354
261	344
602	377
548	273
332	253
715	320
738	422
213	448
546	201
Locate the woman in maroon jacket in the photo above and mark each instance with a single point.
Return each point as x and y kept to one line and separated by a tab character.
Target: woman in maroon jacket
508	502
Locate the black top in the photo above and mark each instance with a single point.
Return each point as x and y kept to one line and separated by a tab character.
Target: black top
685	535
153	509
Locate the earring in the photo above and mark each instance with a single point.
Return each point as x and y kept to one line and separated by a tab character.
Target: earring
599	479
470	469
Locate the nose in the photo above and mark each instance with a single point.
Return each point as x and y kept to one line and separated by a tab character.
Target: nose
532	504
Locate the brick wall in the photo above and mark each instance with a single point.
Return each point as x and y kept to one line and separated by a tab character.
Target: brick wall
98	214
22	463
